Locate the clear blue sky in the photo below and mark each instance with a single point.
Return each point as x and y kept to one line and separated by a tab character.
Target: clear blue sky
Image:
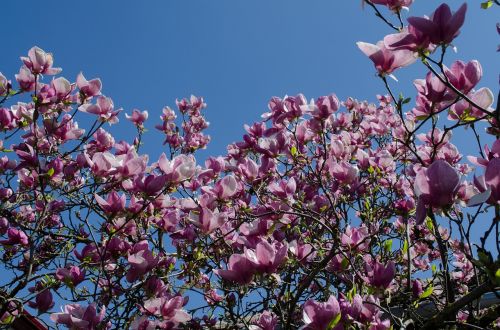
235	53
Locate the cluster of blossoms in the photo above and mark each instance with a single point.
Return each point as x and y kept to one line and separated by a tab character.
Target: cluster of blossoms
193	125
327	214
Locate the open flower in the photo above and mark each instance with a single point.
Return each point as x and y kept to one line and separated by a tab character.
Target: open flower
267	257
318	315
38	61
89	88
137	117
76	317
435	186
386	60
443	26
239	270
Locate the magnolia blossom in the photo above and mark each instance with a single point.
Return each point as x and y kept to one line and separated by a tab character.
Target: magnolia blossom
239	270
267	257
4	85
114	203
104	108
464	76
319	315
385	60
88	88
379	275
76	317
435	186
71	275
137	117
488	184
169	308
180	168
38	61
26	79
442	26
394	5
141	261
265	321
15	236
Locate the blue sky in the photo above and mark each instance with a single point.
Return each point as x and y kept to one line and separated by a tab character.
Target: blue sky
237	54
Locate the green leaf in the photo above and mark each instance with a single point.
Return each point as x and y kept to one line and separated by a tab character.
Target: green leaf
427	292
434	269
405	247
406	100
429	224
487	4
497	276
388	245
293	151
344	263
50	172
334	322
351	293
7	320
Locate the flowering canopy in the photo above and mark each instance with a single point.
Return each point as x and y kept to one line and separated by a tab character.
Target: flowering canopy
328	214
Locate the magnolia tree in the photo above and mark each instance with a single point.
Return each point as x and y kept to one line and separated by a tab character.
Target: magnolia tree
327	215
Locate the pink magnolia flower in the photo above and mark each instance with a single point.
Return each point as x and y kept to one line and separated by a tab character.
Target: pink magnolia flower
181	168
151	184
265	321
43	299
344	172
239	270
394	5
102	163
409	38
15	236
303	252
169	308
385	60
89	253
76	317
356	238
379	275
141	261
137	117
492	153
325	106
7	119
435	186
207	220
318	315
4	225
62	88
464	110
25	79
88	88
4	85
488	184
104	108
443	26
71	275
433	89
40	62
284	189
267	257
114	203
464	76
